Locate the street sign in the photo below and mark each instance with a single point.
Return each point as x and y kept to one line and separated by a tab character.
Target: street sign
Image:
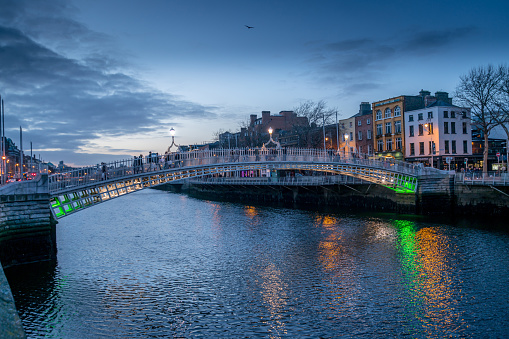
498	154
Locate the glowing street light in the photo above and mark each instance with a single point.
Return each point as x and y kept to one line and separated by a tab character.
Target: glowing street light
172	133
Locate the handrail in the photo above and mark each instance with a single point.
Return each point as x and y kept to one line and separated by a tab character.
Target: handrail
159	163
480	178
290	181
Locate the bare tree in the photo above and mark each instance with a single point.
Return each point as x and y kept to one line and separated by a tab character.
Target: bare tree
317	112
480	90
319	115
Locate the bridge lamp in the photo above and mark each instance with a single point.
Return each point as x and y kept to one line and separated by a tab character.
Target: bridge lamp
172	133
270	131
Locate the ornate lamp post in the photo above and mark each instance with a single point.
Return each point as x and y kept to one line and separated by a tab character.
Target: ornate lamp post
270	140
347	150
172	133
429	126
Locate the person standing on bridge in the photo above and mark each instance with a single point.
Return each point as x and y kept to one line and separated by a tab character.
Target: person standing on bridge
104	170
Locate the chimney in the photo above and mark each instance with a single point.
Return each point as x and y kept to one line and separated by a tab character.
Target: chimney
443	96
424	93
253	118
429	100
265	116
364	108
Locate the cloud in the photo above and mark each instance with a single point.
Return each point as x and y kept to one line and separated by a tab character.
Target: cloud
358	63
67	99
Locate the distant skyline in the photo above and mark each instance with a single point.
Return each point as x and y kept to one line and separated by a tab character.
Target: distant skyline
99	80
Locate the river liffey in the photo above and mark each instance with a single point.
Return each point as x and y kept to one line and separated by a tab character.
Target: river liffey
154	264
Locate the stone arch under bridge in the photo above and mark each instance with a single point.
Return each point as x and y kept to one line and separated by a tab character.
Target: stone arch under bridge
75	190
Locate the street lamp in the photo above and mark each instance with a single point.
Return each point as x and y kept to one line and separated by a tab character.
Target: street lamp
346	144
271	140
429	126
172	133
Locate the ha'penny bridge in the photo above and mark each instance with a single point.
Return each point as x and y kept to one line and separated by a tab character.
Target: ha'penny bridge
75	190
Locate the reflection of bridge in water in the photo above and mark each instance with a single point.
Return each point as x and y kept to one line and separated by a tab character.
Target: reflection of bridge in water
74	190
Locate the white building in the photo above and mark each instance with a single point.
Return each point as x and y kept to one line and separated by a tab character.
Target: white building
439	133
347	137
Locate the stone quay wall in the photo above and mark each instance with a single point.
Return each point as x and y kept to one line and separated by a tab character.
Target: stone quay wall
27	234
436	195
27	229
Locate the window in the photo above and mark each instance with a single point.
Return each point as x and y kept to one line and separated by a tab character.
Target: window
430	145
446	127
389	144
399	143
453	146
351	135
412	148
446	146
360	149
410	118
421	148
368	134
359	123
370	149
368	121
380	145
453	127
387	113
419	116
397	127
351	124
446	114
411	131
378	115
359	135
421	129
465	147
397	111
430	115
453	114
388	128
464	128
379	130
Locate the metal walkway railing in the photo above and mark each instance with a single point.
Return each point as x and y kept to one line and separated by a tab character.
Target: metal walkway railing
84	187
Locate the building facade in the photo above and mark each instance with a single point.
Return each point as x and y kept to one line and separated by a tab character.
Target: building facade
388	120
364	129
438	135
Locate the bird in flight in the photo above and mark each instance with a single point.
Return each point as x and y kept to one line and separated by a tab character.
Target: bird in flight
249	27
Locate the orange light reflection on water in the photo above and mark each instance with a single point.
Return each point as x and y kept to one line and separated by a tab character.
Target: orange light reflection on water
425	258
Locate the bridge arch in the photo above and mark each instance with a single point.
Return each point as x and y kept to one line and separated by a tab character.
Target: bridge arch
75	190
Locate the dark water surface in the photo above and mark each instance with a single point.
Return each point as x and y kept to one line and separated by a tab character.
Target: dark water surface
156	264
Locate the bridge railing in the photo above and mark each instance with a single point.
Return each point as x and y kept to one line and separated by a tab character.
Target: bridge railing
118	169
480	178
289	181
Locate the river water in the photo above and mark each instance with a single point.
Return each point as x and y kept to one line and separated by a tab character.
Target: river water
157	264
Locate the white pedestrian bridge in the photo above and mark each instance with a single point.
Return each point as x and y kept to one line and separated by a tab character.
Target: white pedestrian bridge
85	187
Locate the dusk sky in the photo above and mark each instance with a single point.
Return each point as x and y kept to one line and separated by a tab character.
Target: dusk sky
99	80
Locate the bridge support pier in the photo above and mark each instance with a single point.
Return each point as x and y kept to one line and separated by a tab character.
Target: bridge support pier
27	229
435	194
